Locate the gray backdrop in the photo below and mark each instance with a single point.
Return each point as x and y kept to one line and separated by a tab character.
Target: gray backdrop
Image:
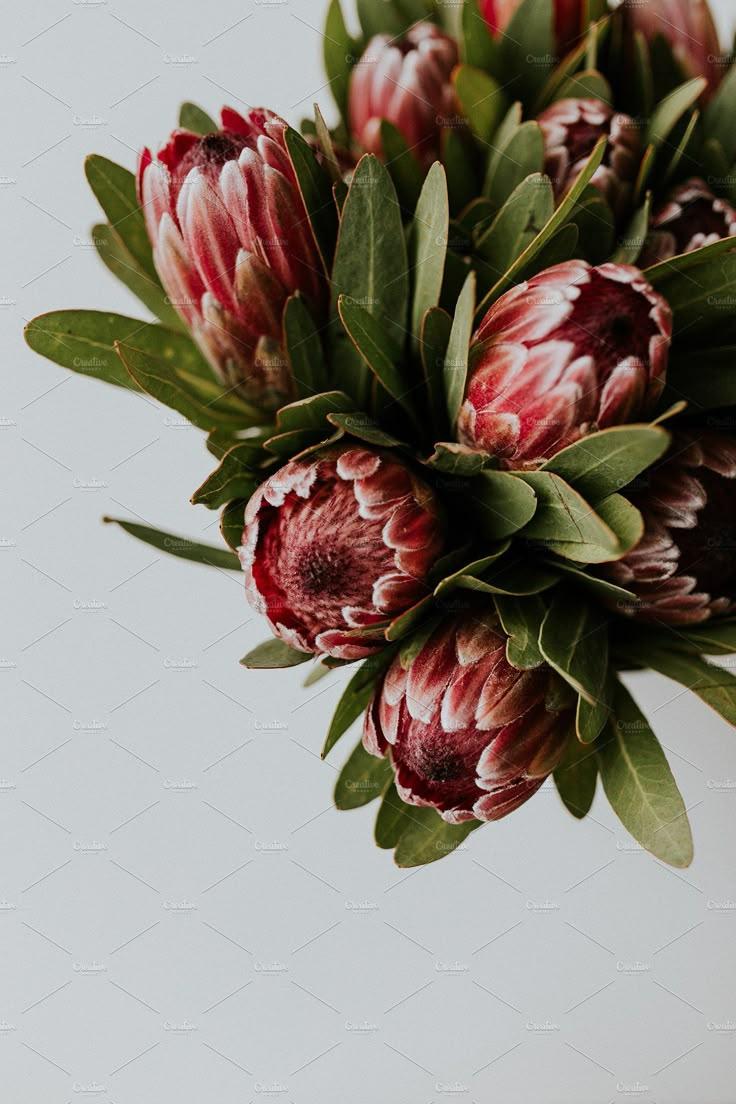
183	916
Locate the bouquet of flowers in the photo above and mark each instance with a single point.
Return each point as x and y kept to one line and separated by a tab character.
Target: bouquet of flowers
465	363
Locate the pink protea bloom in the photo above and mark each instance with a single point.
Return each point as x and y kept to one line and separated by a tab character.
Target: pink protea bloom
571	129
684	569
573	350
690	29
337	544
569	19
408	82
691	217
468	734
231	241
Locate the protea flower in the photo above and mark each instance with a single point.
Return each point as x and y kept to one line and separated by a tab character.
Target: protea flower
337	544
573	350
688	26
406	81
467	733
569	19
231	241
691	217
571	129
684	569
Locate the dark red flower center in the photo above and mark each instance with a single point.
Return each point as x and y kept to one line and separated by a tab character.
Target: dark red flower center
610	322
208	154
316	557
698	217
708	552
439	766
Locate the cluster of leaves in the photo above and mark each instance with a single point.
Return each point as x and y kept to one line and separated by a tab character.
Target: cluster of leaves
414	262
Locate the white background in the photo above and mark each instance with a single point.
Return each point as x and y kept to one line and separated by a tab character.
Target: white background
183	916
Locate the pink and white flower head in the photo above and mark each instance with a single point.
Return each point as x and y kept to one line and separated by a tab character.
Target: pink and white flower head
231	241
571	129
570	19
408	82
571	351
338	544
690	29
684	569
691	217
468	734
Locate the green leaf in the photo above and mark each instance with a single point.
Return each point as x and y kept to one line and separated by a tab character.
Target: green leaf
596	226
558	219
274	654
435	337
403	167
522	621
371	267
356	697
705	377
339	52
125	268
479	49
232	524
363	778
428	247
669	112
632	243
574	640
379	352
364	428
160	379
428	838
312	412
393	817
604	462
590	720
84	341
713	637
315	187
502	504
528	48
563	516
114	187
304	348
522	217
601	589
459	460
232	479
181	547
481	100
522	155
713	685
456	360
588	85
195	119
576	778
701	292
639	785
719	115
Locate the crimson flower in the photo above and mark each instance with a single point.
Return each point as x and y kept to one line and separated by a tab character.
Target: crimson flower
684	569
406	81
570	351
231	241
691	217
571	129
337	544
468	734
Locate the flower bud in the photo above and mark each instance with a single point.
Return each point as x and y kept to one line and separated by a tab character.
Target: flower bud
406	81
573	350
337	544
468	734
691	217
571	130
570	19
687	25
683	571
231	241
